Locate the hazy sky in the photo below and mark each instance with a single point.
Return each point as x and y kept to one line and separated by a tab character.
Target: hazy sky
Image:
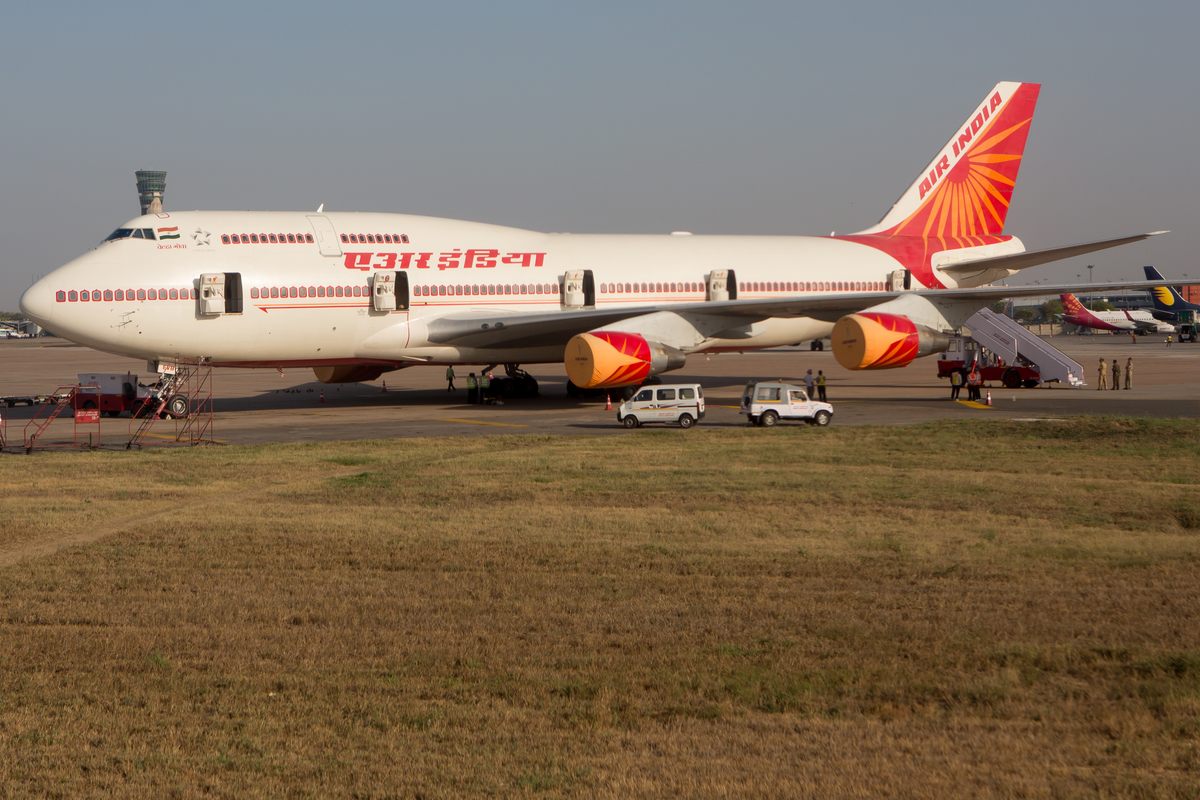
714	117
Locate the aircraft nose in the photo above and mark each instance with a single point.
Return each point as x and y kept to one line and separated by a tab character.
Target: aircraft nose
39	305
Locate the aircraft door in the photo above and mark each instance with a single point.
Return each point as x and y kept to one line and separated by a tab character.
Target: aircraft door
899	280
327	237
722	285
578	289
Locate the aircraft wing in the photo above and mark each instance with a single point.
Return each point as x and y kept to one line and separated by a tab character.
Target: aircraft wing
520	329
1033	258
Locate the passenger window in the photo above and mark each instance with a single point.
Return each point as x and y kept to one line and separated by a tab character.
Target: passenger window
687	394
797	397
666	394
644	395
767	393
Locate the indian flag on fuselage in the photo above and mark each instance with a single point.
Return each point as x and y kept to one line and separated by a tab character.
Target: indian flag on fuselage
168	233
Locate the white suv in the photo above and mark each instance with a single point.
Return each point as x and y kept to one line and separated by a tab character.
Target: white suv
681	402
767	403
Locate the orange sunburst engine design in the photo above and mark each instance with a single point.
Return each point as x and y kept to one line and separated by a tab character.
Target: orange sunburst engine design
604	359
607	359
871	340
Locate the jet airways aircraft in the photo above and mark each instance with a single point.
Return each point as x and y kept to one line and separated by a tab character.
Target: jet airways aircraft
354	295
1137	320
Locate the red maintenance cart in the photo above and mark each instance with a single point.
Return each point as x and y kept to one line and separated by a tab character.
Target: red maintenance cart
963	351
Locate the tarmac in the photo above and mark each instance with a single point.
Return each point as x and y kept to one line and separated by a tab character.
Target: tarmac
260	406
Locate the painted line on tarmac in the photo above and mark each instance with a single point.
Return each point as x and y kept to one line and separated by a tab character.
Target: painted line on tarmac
485	422
973	404
169	438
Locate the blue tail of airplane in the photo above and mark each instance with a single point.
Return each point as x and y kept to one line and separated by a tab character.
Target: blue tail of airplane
1167	299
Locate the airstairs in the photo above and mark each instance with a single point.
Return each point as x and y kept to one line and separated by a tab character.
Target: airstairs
1009	340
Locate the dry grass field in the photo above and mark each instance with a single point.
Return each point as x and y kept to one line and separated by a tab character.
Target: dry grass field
990	609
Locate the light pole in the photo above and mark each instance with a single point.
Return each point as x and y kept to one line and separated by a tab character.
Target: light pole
1090	268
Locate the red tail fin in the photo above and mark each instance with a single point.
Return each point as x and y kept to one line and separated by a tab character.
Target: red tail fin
966	189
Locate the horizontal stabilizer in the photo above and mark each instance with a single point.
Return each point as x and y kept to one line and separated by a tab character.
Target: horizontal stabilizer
1035	257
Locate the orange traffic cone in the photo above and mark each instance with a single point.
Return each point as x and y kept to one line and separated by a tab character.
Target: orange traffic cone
607	402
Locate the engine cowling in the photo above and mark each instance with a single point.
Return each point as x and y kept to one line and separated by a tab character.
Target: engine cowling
348	373
872	340
607	359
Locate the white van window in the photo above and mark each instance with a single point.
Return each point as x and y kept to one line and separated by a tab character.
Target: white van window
687	394
666	394
645	394
767	393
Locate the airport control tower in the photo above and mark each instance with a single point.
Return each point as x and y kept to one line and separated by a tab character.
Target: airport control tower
151	186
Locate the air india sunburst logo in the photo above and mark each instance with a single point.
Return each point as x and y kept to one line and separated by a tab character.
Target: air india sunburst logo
971	199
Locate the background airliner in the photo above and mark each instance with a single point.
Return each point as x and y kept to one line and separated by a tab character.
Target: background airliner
1137	320
1168	301
354	295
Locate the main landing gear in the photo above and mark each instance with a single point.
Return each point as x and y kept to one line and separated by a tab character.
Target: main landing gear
515	384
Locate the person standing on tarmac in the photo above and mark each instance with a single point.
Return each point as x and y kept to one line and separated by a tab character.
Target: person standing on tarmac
1102	374
450	378
472	389
821	385
485	387
1116	374
809	383
974	381
956	381
1129	373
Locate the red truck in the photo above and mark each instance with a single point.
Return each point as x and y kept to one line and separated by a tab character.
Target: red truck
1012	376
113	394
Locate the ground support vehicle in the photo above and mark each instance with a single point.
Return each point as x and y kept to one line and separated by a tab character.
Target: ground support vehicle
114	393
680	403
767	402
1188	325
1011	376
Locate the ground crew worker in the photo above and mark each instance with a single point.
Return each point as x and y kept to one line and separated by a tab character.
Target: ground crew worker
956	380
450	378
821	384
485	386
1103	375
1129	373
1168	340
1116	374
974	381
809	382
1133	337
472	389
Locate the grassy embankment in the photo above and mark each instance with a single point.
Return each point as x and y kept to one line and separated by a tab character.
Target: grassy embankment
953	610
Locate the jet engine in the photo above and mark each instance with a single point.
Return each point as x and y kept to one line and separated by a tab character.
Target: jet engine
873	340
606	359
348	373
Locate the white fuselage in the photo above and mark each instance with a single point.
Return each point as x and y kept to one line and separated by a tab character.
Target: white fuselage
307	302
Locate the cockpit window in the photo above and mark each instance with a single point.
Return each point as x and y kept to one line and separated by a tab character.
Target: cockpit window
131	233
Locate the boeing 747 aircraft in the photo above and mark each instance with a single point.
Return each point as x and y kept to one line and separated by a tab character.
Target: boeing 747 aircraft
354	295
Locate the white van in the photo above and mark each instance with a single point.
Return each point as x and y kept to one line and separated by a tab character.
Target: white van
680	402
765	403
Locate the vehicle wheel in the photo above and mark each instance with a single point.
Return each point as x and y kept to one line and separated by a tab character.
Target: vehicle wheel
822	418
686	421
177	407
1011	379
630	421
768	419
1030	384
